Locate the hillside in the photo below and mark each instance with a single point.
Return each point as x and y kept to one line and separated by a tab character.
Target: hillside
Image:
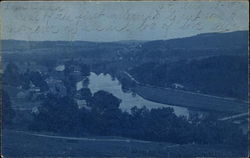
203	44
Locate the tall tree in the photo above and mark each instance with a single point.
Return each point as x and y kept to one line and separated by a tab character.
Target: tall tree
8	112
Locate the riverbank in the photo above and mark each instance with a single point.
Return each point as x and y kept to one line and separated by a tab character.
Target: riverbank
190	100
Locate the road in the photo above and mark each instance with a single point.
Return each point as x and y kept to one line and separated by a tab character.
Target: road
234	117
84	139
131	77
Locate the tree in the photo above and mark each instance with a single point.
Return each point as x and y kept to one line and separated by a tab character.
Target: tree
85	69
11	75
85	94
102	101
105	113
37	79
57	114
8	112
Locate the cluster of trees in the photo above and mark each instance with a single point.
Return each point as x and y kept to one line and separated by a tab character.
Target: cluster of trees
104	117
35	78
12	76
220	75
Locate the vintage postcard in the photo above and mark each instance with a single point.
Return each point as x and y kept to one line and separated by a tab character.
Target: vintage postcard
124	79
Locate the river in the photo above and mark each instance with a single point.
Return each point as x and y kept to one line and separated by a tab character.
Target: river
106	83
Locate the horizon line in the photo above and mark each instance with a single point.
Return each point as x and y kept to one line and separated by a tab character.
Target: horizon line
125	40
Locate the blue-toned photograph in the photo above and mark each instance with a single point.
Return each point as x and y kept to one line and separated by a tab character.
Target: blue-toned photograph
124	79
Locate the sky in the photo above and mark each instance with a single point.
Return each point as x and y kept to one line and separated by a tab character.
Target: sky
116	21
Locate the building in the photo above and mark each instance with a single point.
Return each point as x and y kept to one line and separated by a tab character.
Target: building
81	103
177	86
56	86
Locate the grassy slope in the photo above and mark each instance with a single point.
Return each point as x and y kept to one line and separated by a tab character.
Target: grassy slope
16	144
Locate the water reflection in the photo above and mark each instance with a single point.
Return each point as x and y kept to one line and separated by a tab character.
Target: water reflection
112	85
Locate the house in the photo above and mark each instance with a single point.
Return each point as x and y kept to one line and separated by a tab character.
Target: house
51	80
60	68
177	86
22	94
75	73
31	85
34	89
74	68
35	110
81	103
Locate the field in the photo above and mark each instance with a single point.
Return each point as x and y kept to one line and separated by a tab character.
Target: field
25	144
191	100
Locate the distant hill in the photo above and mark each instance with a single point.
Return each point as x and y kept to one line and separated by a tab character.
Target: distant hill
231	40
16	45
202	45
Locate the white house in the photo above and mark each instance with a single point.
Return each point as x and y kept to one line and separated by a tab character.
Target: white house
177	86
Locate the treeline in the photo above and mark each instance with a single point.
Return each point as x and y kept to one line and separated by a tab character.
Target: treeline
221	75
102	116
